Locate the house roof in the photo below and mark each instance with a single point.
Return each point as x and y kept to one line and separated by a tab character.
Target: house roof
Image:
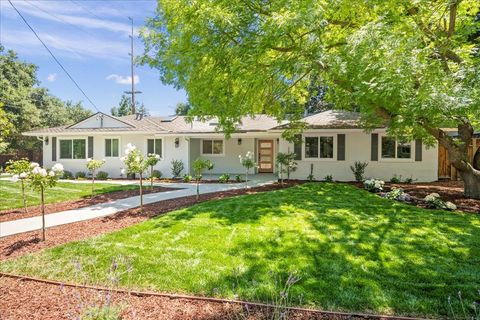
174	124
330	119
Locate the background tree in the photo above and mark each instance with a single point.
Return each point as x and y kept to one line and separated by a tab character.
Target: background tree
411	65
124	107
248	163
5	128
28	106
182	108
136	164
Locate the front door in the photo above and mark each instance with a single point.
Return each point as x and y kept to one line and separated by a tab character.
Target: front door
265	156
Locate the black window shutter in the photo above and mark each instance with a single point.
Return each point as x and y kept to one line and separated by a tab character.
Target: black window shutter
108	147
150	146
374	155
297	147
90	147
341	147
418	150
54	149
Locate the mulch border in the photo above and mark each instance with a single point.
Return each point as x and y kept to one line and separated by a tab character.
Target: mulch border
208	299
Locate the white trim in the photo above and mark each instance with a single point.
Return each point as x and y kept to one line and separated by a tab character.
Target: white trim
162	156
119	147
329	135
72	138
396	159
212	154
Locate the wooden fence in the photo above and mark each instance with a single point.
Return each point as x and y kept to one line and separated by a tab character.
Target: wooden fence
445	168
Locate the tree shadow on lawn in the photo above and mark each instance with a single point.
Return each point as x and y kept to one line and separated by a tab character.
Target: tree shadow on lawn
367	254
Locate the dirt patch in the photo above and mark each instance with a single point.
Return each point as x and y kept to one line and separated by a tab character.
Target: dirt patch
27	299
448	190
16	245
19	213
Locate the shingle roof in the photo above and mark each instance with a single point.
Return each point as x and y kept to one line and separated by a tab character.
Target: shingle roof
176	124
331	119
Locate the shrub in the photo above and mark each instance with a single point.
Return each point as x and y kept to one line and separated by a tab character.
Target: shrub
409	180
328	178
310	177
374	185
102	175
286	163
396	179
187	178
224	178
200	165
358	170
177	168
433	201
157	174
238	178
394	194
80	175
67	175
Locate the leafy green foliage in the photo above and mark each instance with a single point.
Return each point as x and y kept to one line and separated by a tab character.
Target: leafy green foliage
224	178
199	166
358	170
102	175
182	109
177	168
187	178
124	107
286	163
27	106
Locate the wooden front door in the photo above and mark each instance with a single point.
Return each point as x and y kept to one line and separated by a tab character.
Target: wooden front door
265	156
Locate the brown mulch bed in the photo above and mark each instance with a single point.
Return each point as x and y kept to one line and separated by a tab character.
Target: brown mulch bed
19	213
19	244
448	190
27	299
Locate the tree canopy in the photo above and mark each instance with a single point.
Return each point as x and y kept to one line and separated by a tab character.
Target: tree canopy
26	105
182	108
412	65
125	107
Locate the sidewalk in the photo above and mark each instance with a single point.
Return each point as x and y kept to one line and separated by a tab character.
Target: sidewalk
100	210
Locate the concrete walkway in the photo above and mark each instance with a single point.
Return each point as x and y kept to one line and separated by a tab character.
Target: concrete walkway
104	209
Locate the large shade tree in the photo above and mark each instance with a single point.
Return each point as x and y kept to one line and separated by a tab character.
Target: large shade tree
412	65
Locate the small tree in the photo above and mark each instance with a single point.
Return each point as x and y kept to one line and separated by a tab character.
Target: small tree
19	169
135	163
152	160
41	179
92	166
200	165
286	163
248	163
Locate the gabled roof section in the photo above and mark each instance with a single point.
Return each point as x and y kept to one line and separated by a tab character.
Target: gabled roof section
100	120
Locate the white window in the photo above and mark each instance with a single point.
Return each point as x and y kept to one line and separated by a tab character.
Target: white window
212	147
111	147
73	149
154	146
319	147
394	149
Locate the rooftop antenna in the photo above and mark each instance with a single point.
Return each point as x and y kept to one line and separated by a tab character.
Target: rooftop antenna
132	92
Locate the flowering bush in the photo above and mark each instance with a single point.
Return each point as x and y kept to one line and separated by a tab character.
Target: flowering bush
41	179
92	166
199	165
248	163
433	201
135	163
374	185
224	178
20	169
397	194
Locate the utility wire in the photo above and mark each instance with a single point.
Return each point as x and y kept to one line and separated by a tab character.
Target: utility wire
86	9
53	56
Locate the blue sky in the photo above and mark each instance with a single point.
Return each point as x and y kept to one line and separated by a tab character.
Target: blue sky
90	38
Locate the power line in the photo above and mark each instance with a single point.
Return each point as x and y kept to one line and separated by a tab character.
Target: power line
53	56
85	9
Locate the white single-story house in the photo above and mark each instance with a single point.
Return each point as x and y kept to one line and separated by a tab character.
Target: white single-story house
331	143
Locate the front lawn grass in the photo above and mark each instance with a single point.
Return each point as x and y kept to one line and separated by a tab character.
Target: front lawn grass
11	194
353	251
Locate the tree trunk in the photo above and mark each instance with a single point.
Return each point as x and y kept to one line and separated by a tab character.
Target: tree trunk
141	193
42	200
23	196
471	181
198	189
93	183
151	177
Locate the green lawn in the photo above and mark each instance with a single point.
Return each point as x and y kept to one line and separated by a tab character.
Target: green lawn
353	250
11	196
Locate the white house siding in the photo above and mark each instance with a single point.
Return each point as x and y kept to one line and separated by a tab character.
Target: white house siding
113	165
358	148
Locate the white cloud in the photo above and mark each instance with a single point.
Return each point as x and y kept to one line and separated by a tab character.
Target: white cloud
52	77
123	79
